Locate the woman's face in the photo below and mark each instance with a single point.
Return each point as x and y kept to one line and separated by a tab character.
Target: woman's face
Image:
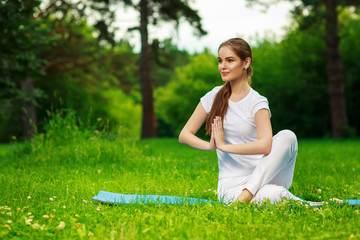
230	66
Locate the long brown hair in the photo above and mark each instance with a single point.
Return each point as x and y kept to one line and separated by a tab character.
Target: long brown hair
220	105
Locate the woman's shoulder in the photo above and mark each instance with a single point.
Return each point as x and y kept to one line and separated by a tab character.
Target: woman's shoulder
214	91
255	96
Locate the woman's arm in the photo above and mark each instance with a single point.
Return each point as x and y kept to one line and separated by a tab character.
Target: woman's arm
187	134
264	136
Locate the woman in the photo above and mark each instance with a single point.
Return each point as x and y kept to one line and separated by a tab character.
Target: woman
253	165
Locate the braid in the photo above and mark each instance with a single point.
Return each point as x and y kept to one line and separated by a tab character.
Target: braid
220	106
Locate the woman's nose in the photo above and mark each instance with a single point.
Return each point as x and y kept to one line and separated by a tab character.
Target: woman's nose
222	65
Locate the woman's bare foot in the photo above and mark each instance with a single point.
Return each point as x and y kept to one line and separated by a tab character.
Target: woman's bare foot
245	196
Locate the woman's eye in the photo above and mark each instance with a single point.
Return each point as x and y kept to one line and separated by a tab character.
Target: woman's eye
219	60
230	60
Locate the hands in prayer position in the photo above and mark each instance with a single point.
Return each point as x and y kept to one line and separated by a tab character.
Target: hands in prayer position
217	133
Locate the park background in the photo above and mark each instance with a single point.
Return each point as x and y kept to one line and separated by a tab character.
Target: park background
52	58
87	105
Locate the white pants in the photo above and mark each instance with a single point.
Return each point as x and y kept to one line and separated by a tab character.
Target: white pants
271	178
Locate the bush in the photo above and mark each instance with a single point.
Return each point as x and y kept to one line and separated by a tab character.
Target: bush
66	139
175	102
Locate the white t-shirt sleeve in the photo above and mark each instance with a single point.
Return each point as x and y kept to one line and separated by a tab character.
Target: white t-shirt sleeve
208	99
260	103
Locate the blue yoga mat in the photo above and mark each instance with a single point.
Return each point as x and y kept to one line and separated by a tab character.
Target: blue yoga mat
109	197
118	198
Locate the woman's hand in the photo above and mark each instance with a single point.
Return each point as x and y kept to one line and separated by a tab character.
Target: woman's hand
212	143
218	132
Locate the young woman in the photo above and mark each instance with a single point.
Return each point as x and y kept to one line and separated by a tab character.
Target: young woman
254	165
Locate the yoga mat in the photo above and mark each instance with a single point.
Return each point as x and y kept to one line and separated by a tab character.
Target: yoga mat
109	197
351	202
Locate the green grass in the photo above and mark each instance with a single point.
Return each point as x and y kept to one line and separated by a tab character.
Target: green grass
52	181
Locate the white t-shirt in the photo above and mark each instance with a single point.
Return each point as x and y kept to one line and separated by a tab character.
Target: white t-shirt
239	127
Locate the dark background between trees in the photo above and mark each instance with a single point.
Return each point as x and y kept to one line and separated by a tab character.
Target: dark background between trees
51	58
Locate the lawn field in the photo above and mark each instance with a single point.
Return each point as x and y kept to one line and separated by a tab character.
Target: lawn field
46	189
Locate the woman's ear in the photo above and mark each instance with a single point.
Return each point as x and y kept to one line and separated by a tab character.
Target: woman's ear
247	63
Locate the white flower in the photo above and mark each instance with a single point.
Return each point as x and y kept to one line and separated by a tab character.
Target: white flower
98	208
29	213
46	216
90	234
9	221
76	215
51	199
28	221
28	197
61	226
64	207
319	190
9	213
36	226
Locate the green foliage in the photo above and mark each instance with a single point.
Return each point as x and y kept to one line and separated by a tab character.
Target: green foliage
176	101
56	186
291	74
75	73
350	47
166	57
66	133
123	112
22	40
85	74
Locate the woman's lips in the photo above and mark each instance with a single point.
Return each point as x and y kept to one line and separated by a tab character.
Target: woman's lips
224	73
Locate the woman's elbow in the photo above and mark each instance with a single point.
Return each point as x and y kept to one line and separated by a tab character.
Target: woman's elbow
267	147
181	137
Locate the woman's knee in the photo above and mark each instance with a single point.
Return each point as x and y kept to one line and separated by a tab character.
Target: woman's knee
287	137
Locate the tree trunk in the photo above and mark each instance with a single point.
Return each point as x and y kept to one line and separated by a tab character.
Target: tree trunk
149	124
29	111
335	76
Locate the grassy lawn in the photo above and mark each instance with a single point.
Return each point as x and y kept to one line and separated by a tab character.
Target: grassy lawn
46	189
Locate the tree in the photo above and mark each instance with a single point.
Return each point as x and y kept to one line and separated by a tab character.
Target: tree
151	11
327	10
53	49
22	39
